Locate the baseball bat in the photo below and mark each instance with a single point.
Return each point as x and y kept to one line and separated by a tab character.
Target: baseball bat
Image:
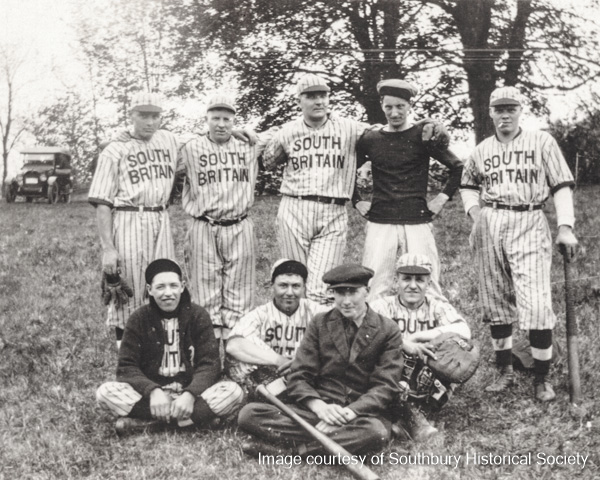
572	333
358	471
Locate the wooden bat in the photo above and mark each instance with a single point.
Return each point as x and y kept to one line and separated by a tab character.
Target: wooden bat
572	333
359	471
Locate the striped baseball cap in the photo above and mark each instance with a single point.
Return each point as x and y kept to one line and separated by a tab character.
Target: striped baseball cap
505	96
397	88
147	102
312	83
414	264
220	101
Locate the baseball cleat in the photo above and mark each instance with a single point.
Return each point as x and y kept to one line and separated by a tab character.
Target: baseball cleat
544	392
127	426
419	427
255	447
504	382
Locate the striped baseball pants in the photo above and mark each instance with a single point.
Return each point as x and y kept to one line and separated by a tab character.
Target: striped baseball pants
385	243
221	267
222	399
514	254
140	238
315	234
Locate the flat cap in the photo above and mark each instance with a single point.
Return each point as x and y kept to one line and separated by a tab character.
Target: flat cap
348	275
505	96
397	88
414	264
147	102
161	265
311	83
285	266
220	101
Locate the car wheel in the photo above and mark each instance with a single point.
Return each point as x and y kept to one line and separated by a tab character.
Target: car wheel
10	194
53	193
29	199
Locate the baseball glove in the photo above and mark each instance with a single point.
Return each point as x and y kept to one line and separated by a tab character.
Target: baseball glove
457	358
115	288
435	135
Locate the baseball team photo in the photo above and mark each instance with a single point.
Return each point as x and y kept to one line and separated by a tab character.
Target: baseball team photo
300	239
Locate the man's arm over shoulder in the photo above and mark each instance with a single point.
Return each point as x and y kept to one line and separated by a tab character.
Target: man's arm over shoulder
205	355
129	367
383	382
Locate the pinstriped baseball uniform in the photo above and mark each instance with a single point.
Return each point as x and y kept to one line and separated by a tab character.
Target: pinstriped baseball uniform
270	328
320	162
220	260
513	248
137	173
432	313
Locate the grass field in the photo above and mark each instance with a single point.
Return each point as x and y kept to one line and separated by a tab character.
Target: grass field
56	350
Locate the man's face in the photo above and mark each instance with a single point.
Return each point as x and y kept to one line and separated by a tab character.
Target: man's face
220	124
314	105
166	289
506	118
396	111
351	301
288	289
145	124
412	289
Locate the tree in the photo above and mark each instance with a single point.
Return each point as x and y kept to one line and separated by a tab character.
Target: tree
457	50
10	63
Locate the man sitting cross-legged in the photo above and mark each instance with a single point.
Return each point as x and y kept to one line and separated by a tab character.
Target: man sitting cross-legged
169	364
343	379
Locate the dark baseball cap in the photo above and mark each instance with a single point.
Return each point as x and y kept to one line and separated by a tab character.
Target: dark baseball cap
159	266
285	266
348	275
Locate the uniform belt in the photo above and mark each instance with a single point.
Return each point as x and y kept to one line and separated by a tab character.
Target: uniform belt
142	209
221	223
318	198
516	208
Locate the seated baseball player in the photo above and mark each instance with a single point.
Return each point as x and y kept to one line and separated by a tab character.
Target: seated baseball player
169	366
343	378
263	343
421	318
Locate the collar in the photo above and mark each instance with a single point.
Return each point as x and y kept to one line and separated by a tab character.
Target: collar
518	133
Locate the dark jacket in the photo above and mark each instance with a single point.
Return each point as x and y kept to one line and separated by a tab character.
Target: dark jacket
142	349
364	378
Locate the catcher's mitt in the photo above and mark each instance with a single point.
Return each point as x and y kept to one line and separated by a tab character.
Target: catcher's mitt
115	288
435	135
457	358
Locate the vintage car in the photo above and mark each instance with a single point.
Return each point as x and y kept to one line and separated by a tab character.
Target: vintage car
46	173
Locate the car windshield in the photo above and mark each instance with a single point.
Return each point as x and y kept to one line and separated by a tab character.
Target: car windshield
38	159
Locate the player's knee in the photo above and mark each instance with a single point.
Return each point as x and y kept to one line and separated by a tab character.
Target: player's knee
101	394
375	434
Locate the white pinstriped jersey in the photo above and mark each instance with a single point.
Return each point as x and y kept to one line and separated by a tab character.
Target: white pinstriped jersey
220	177
282	333
524	171
320	161
136	173
432	313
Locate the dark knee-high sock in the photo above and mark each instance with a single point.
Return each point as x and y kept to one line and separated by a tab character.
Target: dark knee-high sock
541	351
502	343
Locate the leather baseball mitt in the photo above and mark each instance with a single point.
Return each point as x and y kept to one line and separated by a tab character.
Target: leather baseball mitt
457	358
115	288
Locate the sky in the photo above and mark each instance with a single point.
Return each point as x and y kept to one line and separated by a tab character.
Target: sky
42	32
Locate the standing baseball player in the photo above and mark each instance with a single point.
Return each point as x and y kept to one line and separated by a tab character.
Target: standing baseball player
268	337
130	190
219	190
421	317
169	363
318	180
514	172
399	217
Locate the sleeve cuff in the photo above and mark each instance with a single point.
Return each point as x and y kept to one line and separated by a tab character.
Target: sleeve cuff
99	201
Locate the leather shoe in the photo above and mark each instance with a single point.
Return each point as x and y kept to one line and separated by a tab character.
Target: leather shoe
256	447
128	425
502	383
544	392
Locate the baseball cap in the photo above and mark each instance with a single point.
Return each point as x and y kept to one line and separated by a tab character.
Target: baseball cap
397	88
147	102
312	83
505	96
285	266
348	275
221	101
414	264
161	265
